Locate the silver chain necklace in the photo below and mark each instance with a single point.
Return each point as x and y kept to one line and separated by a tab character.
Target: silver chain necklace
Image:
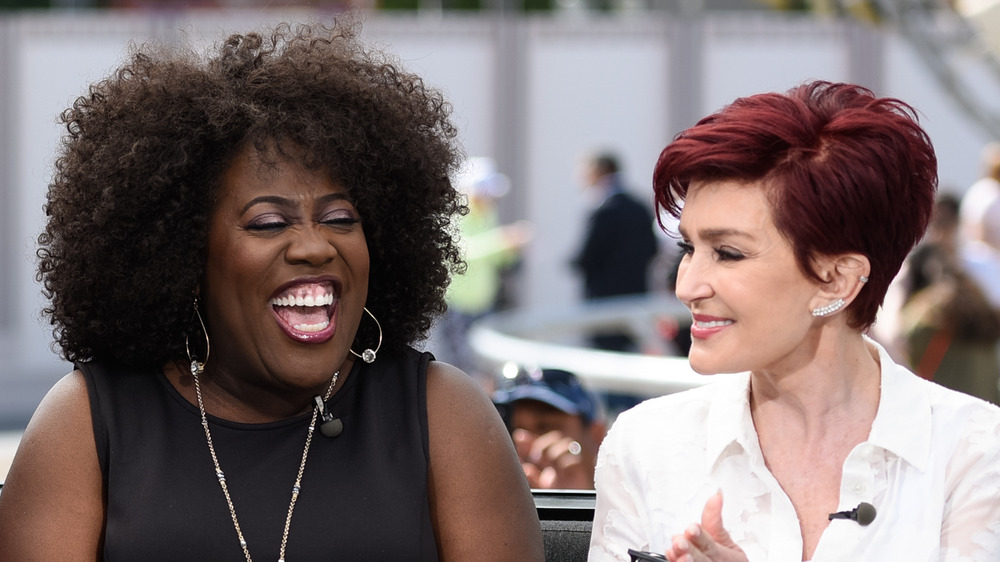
197	369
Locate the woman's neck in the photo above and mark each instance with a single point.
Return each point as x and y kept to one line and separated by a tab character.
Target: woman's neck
841	381
250	404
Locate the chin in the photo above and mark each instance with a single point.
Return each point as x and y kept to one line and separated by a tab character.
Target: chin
706	364
702	365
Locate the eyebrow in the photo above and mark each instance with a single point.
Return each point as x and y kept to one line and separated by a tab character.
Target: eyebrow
718	233
287	202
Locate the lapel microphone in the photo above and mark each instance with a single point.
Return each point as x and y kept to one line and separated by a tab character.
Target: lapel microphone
329	425
864	514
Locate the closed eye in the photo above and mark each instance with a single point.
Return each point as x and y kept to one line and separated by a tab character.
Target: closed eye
267	223
729	254
340	218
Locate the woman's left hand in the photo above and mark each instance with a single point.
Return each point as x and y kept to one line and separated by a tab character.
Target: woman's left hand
708	541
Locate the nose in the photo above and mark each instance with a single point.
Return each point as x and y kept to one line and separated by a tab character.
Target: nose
692	281
310	245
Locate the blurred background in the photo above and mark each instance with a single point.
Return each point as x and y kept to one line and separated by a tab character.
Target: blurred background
534	84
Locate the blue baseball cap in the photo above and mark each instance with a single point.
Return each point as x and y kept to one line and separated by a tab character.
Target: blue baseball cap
555	387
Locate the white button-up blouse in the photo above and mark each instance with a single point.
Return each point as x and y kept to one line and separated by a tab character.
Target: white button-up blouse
930	466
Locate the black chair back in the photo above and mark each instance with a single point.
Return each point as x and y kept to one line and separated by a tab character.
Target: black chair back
567	517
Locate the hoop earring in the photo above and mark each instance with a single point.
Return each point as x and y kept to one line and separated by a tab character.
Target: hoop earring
198	367
830	308
368	356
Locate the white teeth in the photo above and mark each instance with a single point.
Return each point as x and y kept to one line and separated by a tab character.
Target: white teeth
309	300
311	327
714	323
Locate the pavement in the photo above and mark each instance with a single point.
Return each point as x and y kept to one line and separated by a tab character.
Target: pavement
8	445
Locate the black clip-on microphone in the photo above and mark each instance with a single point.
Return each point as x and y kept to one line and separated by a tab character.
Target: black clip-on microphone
864	514
329	425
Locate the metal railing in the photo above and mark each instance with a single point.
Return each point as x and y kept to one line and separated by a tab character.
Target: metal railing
552	338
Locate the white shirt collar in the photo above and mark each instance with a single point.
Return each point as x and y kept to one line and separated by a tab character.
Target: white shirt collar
902	423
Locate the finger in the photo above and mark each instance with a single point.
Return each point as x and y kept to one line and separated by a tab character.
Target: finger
537	452
565	453
711	521
680	549
533	475
700	541
549	478
541	450
523	442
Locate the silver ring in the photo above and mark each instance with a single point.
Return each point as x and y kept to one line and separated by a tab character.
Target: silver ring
575	448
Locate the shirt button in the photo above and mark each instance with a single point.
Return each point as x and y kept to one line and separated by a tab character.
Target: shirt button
860	488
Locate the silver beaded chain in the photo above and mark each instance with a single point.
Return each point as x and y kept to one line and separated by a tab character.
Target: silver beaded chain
197	369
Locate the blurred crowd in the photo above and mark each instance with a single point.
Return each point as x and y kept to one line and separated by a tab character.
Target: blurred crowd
942	313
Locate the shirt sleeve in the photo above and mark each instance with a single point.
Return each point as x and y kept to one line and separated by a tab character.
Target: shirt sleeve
618	518
971	528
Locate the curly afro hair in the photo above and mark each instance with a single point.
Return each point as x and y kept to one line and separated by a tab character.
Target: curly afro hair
124	246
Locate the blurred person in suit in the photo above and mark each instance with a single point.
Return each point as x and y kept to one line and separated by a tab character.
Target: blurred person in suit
619	243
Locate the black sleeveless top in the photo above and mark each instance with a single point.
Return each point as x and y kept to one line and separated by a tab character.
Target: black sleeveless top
364	493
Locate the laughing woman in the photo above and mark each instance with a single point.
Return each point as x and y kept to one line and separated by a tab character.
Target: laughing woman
239	253
796	211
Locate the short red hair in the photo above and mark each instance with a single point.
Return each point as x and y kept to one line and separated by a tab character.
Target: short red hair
846	172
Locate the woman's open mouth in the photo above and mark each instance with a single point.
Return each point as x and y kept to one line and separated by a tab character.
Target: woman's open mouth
305	311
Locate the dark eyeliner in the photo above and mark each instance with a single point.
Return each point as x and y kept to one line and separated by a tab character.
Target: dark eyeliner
729	254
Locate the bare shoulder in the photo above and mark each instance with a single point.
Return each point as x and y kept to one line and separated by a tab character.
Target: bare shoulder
480	501
52	503
452	392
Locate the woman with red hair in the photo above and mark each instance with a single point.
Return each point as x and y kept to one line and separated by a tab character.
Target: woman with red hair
796	211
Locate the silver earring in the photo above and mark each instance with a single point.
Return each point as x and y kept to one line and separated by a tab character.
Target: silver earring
368	356
198	367
830	308
864	279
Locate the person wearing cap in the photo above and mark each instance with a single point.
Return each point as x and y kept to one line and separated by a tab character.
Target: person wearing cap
557	426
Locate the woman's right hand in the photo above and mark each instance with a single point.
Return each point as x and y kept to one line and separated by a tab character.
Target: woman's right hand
708	541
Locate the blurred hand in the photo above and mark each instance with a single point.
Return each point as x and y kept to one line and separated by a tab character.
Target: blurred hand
554	460
707	542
